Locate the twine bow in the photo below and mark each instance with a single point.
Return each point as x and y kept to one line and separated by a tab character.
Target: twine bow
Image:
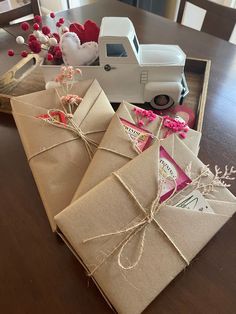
137	228
72	126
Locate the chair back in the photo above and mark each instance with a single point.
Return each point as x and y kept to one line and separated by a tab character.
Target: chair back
209	17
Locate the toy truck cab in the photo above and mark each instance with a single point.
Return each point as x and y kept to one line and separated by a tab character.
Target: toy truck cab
129	71
140	73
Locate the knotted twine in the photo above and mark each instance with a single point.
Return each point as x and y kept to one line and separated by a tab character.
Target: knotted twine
72	126
137	228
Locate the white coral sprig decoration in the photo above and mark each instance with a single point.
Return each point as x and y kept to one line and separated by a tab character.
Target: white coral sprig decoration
218	179
220	176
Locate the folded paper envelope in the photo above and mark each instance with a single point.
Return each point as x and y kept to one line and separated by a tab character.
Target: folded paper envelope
116	149
162	249
58	157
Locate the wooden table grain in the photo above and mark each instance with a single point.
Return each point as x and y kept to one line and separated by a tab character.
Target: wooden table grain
38	274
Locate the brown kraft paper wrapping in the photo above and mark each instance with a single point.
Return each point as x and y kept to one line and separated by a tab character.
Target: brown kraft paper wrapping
116	140
108	208
58	157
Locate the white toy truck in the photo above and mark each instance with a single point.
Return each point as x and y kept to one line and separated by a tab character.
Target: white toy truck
133	72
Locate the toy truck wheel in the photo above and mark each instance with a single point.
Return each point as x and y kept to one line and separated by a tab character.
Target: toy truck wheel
162	102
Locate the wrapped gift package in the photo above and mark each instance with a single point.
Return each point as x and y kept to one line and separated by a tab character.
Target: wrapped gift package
116	149
132	245
58	157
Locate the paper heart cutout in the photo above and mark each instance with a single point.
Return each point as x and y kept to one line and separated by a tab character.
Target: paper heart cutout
87	32
75	54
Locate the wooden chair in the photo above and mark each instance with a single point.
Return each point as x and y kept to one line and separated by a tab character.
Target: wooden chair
215	19
30	8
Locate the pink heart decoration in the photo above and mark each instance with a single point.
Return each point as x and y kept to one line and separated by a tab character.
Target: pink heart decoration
75	54
87	32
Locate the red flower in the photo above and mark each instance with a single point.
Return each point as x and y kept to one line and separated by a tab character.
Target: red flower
36	26
61	20
52	14
46	30
57	54
57	36
58	24
10	53
38	19
24	54
49	57
35	46
25	26
31	37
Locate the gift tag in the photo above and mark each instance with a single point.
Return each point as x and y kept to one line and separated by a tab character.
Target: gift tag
195	201
142	136
169	172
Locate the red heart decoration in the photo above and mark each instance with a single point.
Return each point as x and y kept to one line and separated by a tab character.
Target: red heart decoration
91	31
87	32
79	30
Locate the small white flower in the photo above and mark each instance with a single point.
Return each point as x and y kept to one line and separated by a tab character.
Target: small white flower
43	39
37	34
52	41
20	40
65	29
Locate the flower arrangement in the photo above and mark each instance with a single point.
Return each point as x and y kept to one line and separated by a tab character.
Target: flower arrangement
69	102
66	78
220	178
175	125
144	117
41	39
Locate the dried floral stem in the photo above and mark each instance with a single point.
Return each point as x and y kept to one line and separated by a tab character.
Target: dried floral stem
218	179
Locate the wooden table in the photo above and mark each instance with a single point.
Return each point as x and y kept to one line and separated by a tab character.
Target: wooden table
38	274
